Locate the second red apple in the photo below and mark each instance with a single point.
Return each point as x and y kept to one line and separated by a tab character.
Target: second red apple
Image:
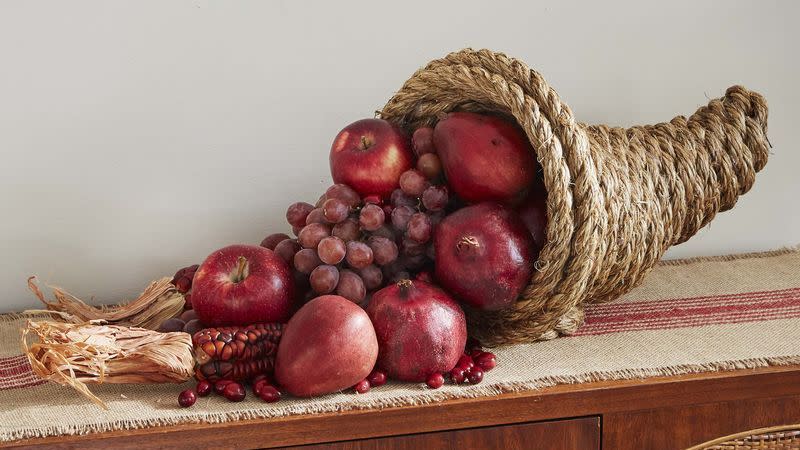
369	156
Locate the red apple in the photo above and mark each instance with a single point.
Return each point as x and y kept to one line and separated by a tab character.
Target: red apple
369	156
485	158
242	284
327	346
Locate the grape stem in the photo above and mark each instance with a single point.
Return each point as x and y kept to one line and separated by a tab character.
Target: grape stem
240	270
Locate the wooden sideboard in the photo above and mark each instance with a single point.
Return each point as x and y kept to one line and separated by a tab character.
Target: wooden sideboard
656	413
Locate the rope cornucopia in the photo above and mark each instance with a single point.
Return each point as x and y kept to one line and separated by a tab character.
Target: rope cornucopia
617	198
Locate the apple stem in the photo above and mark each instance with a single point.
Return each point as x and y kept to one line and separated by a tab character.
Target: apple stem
240	269
365	143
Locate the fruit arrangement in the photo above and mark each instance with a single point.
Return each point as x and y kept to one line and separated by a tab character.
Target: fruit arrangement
475	204
371	285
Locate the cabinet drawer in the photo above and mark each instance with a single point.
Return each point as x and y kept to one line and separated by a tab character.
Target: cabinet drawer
571	434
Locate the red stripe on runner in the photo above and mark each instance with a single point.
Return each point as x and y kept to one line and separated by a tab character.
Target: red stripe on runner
691	312
16	373
668	303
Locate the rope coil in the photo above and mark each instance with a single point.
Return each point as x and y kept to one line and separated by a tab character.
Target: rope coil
618	198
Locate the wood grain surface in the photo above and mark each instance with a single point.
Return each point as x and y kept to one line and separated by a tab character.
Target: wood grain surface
574	434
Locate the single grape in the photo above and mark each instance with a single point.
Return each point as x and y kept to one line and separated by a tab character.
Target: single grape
400	217
286	249
306	260
272	240
347	230
315	216
359	254
436	217
324	279
384	250
193	326
399	198
413	183
371	217
312	234
414	263
351	286
331	250
335	210
385	231
390	270
422	141
435	198
344	193
419	228
372	276
411	247
430	165
170	325
297	213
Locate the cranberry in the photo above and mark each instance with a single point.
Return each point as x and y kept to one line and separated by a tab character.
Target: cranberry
475	375
269	394
260	377
187	398
219	386
377	378
458	374
362	386
465	361
475	352
435	380
234	392
259	386
486	361
203	388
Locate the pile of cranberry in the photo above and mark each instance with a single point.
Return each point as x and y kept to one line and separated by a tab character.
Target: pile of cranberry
234	391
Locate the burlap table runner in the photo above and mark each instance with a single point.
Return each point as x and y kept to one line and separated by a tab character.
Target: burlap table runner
696	315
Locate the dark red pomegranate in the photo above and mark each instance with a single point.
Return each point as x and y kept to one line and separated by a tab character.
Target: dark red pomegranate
421	330
484	157
484	255
533	212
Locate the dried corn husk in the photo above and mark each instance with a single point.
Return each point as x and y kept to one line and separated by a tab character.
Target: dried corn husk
75	354
159	302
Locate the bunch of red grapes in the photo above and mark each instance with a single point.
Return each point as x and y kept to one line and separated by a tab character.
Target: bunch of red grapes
351	246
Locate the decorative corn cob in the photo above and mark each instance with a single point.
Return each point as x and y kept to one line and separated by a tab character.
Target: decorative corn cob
236	353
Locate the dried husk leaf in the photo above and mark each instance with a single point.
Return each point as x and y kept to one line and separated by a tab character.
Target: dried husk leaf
75	354
159	302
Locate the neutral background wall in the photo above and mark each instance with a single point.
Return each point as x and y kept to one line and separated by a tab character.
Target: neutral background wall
137	137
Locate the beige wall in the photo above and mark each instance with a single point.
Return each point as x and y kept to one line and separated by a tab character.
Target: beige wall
135	137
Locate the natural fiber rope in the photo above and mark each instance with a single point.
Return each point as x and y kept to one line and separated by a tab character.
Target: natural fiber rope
617	198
